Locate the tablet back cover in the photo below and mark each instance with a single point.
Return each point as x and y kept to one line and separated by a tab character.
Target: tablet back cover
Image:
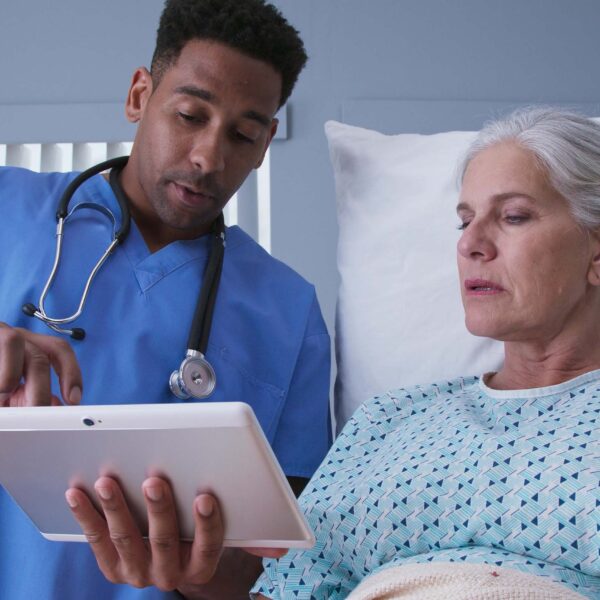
217	448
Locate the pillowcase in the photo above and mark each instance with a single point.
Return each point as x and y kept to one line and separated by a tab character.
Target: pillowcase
399	317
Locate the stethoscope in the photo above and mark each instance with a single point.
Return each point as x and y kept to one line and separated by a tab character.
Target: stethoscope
195	378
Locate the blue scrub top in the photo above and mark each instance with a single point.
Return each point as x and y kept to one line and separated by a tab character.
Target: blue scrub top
268	345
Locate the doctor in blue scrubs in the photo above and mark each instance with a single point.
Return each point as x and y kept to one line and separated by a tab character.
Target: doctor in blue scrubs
205	114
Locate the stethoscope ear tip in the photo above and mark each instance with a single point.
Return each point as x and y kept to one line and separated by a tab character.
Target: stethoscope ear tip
29	309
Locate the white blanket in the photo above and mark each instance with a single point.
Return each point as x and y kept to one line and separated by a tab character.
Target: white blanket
455	581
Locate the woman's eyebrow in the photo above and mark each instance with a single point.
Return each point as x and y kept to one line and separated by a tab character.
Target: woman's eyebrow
510	195
503	197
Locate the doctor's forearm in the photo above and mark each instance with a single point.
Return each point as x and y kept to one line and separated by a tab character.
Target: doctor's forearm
235	576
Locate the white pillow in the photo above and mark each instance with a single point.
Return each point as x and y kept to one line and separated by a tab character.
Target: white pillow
399	318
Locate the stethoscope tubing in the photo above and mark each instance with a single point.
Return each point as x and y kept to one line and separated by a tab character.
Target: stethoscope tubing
203	315
62	216
116	166
41	312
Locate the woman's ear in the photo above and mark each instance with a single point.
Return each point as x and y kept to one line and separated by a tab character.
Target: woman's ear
140	91
594	267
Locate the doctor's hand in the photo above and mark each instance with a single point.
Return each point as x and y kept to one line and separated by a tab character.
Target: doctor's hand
199	569
163	560
26	360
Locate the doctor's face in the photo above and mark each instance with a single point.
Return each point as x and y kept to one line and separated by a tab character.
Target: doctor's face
526	267
202	129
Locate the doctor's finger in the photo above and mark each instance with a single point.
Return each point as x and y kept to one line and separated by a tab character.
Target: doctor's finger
163	533
267	552
63	360
95	529
36	373
124	533
207	546
12	359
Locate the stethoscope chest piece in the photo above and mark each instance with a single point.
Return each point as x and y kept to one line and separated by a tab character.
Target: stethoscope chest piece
195	378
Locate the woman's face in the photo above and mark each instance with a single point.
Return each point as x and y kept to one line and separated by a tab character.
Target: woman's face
526	267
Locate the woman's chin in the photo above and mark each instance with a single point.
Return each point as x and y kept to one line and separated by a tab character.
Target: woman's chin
485	328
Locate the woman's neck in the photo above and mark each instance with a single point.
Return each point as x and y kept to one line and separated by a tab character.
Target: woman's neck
551	355
533	365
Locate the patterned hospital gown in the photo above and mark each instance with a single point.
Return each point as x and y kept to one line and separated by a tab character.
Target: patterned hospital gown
455	472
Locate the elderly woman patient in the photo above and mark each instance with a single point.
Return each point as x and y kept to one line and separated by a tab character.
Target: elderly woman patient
485	483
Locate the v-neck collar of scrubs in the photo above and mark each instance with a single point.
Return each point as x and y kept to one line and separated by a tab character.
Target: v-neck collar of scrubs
150	267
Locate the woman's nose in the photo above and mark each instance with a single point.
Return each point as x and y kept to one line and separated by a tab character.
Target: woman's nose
476	242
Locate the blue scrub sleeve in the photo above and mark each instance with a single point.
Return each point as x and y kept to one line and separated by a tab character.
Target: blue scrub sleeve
304	433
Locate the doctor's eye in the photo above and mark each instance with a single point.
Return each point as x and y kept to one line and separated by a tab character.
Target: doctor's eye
187	118
244	138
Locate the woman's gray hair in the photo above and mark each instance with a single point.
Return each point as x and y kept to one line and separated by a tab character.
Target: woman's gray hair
567	146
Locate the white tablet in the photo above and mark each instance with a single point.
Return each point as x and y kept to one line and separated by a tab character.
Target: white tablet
199	447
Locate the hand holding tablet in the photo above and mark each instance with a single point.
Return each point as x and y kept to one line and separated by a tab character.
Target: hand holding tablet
125	557
157	490
163	560
199	448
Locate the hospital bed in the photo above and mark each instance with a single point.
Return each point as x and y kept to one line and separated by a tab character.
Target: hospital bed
399	318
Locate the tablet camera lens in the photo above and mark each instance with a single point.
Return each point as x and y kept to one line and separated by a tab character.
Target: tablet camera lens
89	422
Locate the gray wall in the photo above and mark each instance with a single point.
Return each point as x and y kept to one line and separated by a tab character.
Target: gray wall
82	53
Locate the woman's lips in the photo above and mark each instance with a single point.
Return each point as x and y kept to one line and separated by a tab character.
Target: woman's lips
482	287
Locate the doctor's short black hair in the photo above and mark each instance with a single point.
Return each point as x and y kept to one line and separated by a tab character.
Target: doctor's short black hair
253	27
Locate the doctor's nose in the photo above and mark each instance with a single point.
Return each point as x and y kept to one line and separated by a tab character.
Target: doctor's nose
208	153
476	243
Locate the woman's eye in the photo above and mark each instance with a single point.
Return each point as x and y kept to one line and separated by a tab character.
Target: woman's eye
463	226
515	219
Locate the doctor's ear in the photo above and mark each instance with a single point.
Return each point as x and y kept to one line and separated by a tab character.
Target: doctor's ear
270	136
139	92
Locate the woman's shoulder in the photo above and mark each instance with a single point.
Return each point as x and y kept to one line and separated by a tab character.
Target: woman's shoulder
425	393
415	399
